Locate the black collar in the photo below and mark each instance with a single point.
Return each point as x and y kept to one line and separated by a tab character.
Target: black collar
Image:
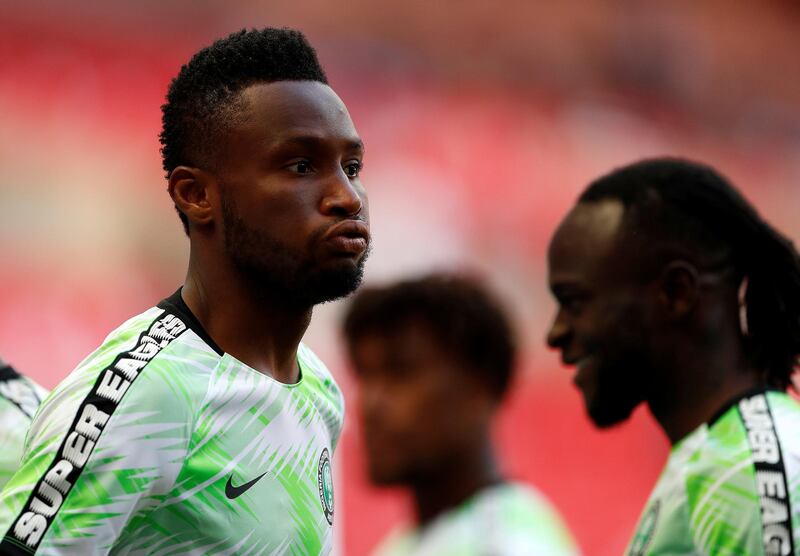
176	304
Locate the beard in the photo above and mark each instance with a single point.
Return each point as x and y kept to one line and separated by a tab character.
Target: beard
622	379
614	400
276	272
624	365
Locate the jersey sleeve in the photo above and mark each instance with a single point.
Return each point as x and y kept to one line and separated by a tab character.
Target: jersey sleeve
528	523
103	448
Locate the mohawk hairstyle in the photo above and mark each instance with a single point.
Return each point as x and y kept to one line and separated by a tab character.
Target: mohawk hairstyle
691	204
462	316
203	94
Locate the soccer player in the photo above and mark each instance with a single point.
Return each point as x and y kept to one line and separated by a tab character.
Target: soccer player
19	399
674	292
202	425
433	358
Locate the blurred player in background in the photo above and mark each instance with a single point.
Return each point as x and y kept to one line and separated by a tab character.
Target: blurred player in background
203	425
673	291
433	358
19	399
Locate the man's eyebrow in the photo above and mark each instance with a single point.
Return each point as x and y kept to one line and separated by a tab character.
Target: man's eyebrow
311	141
355	145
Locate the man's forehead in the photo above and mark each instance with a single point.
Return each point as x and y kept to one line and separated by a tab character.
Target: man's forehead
587	234
304	114
411	335
294	104
387	336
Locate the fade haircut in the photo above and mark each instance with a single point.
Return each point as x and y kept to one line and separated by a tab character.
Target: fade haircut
694	207
464	318
203	96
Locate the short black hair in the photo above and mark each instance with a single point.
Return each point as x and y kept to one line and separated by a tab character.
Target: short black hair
693	205
206	88
462	315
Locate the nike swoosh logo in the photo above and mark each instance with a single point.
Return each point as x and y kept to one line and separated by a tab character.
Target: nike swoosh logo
233	492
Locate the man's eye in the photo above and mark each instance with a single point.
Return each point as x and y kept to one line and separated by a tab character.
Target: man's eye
302	167
572	304
353	169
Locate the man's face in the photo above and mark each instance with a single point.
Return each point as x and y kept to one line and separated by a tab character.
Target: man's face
418	407
292	207
601	326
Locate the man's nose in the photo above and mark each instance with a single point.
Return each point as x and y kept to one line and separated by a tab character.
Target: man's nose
559	331
343	197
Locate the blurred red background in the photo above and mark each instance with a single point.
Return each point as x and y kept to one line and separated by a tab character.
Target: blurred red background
483	121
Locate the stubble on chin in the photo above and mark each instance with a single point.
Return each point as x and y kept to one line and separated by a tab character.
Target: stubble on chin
277	274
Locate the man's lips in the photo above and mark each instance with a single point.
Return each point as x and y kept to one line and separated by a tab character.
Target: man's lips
348	236
579	363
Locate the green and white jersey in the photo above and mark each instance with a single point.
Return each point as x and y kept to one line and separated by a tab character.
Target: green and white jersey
731	487
160	443
503	520
19	399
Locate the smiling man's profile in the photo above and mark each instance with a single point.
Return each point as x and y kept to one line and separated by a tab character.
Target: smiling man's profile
673	291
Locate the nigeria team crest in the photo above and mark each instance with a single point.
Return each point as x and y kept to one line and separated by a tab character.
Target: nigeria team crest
325	484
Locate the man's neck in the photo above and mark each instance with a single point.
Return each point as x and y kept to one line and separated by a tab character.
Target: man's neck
454	486
686	404
254	329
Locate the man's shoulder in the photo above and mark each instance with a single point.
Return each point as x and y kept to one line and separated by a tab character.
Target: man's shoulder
756	426
522	516
311	361
511	501
725	476
147	336
320	376
152	359
509	519
710	492
724	447
320	385
119	426
712	464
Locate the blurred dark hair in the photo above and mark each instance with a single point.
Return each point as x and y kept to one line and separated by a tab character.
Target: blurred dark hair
201	96
465	319
692	205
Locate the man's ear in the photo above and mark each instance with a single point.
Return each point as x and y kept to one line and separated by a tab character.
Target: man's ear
679	289
190	191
